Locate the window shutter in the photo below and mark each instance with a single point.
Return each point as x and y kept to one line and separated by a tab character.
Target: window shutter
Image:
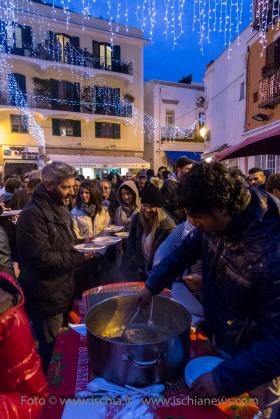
16	100
21	81
56	126
77	128
76	97
96	49
116	65
270	55
117	52
27	37
277	53
3	36
52	41
117	131
98	129
75	42
54	93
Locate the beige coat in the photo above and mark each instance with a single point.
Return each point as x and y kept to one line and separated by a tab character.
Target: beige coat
84	226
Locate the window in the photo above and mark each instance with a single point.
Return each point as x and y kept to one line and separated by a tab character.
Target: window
107	130
233	163
107	100
19	123
272	58
66	127
242	91
14	36
106	56
268	162
170	118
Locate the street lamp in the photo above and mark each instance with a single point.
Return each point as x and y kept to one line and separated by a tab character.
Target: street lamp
202	132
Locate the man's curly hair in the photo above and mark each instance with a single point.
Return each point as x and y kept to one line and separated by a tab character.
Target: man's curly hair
209	186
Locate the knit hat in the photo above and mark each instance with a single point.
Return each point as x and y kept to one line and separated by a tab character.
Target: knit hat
152	196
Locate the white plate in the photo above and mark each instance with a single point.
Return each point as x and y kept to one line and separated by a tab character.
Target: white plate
198	366
10	213
88	247
122	234
113	229
107	240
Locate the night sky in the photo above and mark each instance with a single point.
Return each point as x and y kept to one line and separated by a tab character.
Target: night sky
162	60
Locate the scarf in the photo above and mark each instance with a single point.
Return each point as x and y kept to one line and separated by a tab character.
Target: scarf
90	210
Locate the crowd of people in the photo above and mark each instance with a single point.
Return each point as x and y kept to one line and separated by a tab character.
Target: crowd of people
211	226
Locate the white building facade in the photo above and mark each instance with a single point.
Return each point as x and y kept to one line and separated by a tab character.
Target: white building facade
173	112
225	96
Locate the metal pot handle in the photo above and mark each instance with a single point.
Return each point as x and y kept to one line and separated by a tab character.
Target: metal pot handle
145	363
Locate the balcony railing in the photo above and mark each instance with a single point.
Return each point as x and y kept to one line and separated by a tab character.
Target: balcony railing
269	90
178	134
41	102
72	56
265	13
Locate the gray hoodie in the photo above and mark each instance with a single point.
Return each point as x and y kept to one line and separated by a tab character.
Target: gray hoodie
124	214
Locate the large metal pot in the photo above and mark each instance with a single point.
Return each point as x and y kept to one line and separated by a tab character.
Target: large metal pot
138	364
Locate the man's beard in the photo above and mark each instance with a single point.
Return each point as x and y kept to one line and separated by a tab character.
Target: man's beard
57	197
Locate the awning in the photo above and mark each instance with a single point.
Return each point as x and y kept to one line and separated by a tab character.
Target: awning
267	142
18	166
172	156
213	150
99	162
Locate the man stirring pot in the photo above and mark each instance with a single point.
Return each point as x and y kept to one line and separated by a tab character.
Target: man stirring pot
237	238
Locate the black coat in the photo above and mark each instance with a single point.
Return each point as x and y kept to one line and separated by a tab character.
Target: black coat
134	241
47	259
6	263
169	195
241	291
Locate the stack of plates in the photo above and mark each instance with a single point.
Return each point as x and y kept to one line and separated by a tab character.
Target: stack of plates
113	229
122	234
10	213
106	240
89	248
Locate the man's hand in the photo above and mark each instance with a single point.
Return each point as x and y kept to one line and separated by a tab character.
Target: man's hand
144	298
194	282
205	387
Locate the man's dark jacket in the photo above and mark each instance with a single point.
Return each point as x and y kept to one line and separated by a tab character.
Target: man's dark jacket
169	195
46	256
241	291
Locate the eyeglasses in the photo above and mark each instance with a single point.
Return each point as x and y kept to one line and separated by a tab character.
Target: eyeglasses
104	189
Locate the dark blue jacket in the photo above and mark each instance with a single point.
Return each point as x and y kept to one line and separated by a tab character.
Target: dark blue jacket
241	291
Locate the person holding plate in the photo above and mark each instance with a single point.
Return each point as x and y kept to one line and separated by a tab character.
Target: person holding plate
89	216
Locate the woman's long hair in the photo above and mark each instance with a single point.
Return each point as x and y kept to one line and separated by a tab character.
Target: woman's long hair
95	198
150	226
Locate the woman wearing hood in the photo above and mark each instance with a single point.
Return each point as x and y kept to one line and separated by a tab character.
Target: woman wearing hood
149	228
89	216
128	198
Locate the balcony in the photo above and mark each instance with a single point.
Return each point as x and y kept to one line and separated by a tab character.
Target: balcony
72	56
265	13
176	134
42	102
269	90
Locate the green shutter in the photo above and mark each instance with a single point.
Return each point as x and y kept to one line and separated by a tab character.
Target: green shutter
98	129
117	131
56	126
77	128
